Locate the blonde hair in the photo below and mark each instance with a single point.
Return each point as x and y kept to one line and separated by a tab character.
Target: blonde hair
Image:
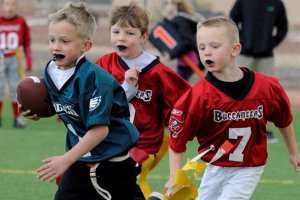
77	15
131	15
220	21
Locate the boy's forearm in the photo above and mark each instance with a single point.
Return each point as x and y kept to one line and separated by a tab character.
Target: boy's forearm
175	160
91	139
289	138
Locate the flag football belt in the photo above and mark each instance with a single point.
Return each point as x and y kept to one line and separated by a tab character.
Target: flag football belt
119	159
93	167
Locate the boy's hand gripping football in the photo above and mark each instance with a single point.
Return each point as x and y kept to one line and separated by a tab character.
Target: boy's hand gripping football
27	113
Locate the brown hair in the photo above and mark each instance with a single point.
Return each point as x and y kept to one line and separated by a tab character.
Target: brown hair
131	15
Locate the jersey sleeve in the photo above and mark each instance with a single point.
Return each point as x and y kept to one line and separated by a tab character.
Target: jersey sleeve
107	62
280	114
99	62
130	90
184	122
173	87
97	101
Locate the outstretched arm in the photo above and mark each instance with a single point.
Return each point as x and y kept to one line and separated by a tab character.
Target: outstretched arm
290	140
175	160
55	166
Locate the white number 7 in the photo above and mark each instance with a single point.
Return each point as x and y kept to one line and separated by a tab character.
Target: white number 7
234	133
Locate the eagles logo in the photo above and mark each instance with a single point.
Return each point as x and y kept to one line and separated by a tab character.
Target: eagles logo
175	126
94	103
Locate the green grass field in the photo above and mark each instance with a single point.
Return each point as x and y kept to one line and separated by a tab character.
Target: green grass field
22	152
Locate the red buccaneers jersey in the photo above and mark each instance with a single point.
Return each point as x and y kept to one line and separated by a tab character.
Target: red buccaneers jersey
15	33
159	87
207	113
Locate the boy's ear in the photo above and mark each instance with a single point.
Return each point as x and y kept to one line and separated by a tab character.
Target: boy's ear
144	37
87	45
236	49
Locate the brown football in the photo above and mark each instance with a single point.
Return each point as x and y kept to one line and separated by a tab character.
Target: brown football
33	95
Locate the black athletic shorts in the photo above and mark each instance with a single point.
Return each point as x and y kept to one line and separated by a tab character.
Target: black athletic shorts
118	178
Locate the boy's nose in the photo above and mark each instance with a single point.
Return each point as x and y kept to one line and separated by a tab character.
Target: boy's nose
54	46
121	37
207	52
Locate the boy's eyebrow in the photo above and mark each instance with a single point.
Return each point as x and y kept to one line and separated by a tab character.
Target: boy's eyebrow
59	37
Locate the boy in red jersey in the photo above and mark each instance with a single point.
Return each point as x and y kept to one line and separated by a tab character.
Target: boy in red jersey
151	87
14	34
231	104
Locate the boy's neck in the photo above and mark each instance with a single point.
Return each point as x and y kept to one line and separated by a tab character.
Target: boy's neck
9	16
230	75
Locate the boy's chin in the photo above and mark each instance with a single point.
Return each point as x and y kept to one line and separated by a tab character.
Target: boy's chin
121	53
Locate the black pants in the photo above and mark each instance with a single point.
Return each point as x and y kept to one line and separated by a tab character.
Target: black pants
118	178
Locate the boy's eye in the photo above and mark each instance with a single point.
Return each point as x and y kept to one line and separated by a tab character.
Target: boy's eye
201	48
215	46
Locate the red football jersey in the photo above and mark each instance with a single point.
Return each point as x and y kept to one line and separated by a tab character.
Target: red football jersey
15	33
159	87
213	117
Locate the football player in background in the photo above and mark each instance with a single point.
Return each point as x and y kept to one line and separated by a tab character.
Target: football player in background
180	15
232	104
151	87
14	35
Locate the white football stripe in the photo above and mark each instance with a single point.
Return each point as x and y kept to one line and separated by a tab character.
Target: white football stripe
35	79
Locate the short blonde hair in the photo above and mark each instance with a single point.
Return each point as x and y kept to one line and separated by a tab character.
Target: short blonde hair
220	21
132	15
77	15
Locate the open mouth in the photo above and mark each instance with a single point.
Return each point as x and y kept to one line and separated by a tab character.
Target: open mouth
209	62
121	47
58	57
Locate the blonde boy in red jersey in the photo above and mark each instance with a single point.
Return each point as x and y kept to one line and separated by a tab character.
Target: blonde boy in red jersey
231	104
14	34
